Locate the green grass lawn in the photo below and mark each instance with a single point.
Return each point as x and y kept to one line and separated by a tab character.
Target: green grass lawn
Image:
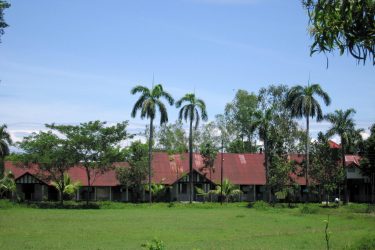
203	226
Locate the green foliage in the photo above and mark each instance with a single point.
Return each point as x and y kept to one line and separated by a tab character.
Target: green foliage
7	184
367	164
260	205
149	101
70	187
327	233
94	145
309	209
136	174
229	191
193	111
158	191
240	113
5	140
172	138
365	243
345	25
208	152
155	244
147	104
279	176
325	167
54	156
3	5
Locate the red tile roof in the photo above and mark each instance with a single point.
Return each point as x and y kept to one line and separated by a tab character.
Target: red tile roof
241	169
352	160
333	144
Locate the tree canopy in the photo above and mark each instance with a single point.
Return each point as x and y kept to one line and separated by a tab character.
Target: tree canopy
3	5
345	25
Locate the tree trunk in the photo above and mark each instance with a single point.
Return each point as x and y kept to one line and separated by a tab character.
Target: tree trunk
88	185
62	187
346	194
307	156
266	164
191	161
150	160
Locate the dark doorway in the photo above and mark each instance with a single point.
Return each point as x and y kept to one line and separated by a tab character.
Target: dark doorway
28	190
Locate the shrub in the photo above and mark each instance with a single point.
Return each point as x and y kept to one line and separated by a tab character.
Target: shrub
155	244
366	243
306	209
259	205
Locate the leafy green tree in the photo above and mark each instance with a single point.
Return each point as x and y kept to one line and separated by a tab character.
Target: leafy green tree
190	112
172	138
134	176
54	156
346	25
325	167
343	125
3	5
302	103
241	114
368	161
147	104
208	152
228	190
277	130
158	191
7	184
67	186
264	120
280	179
5	142
95	146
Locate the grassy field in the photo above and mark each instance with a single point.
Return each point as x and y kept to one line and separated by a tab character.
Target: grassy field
200	226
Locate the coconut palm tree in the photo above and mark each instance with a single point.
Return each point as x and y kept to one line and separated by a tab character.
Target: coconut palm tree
190	112
343	125
5	142
147	104
300	100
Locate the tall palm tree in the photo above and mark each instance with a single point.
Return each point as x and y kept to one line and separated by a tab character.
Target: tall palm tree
301	102
190	112
147	104
5	142
342	124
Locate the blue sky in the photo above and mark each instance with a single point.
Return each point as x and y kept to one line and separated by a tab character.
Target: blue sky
76	60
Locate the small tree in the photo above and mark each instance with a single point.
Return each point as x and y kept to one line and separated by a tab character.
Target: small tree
67	186
95	146
134	176
53	155
228	190
325	167
280	171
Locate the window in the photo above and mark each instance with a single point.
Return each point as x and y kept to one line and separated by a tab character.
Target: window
183	188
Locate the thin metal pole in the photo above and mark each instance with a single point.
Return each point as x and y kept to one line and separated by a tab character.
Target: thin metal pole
221	177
